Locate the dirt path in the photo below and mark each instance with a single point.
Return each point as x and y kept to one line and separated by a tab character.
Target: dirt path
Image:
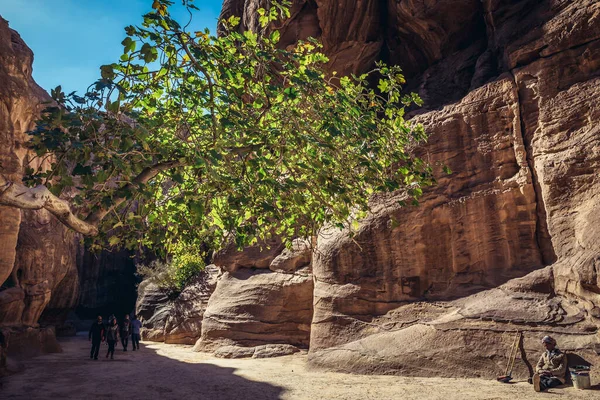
160	371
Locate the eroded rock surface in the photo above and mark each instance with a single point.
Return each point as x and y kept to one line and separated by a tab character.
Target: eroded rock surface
350	31
37	254
260	311
524	151
509	90
175	318
257	307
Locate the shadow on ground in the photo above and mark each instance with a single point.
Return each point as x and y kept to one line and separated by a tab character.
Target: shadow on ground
143	374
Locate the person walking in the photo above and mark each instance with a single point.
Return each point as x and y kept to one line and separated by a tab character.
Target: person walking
96	336
135	332
125	332
112	336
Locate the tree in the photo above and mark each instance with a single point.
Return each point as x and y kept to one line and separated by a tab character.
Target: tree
190	138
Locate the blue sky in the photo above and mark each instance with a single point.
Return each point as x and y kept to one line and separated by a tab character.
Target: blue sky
72	38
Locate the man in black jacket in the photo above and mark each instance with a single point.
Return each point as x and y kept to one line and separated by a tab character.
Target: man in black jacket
96	336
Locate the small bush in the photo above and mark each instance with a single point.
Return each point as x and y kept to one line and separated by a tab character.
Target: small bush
172	275
186	267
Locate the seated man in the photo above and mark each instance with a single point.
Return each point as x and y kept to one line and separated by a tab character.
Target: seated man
550	370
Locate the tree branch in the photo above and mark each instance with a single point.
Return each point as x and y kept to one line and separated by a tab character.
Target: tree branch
15	194
147	174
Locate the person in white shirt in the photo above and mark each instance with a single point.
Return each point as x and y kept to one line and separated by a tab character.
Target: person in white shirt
135	333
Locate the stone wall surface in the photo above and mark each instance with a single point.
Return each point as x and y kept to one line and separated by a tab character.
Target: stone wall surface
175	318
40	260
38	274
260	309
509	240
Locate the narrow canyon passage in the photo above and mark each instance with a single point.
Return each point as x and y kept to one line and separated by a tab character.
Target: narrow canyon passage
162	371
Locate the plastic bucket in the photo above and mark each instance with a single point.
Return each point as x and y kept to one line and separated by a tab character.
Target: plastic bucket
581	379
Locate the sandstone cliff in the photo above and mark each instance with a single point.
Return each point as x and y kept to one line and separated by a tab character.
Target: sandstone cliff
510	93
41	262
37	254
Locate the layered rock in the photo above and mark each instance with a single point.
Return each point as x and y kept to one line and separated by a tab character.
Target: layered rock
37	254
473	231
509	91
260	310
353	42
524	153
175	318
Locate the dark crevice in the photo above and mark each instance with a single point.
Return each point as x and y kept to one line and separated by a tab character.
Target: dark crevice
384	53
543	238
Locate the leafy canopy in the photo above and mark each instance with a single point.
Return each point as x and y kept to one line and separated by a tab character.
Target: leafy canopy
192	139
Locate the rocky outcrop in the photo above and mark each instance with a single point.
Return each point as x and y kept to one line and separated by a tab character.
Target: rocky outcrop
251	308
256	302
37	254
260	312
175	318
509	240
152	308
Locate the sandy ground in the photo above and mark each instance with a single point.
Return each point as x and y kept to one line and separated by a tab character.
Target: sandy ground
160	371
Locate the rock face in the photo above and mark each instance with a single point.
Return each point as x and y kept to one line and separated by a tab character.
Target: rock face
107	283
473	231
260	312
175	319
510	240
353	42
40	259
252	303
37	254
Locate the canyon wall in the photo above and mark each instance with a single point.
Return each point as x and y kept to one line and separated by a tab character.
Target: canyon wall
41	261
37	254
508	241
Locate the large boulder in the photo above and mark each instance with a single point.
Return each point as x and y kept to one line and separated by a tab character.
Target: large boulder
258	307
175	317
260	312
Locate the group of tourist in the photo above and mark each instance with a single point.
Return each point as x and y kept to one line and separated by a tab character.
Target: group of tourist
111	333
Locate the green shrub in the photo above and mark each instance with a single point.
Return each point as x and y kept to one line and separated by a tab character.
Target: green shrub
172	275
186	267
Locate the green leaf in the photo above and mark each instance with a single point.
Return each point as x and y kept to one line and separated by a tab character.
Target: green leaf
275	36
107	72
128	45
235	139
